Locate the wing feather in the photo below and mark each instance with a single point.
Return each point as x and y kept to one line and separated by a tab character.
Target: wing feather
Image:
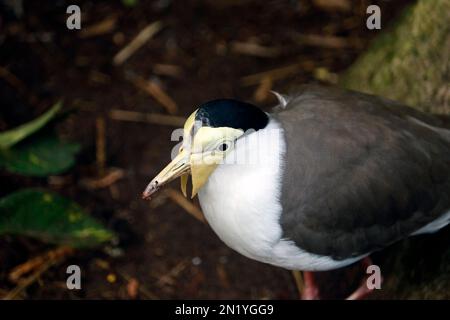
361	171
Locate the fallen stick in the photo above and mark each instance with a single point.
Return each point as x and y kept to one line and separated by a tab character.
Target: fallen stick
262	92
274	74
108	180
333	5
17	84
133	288
330	42
100	145
153	118
102	27
141	288
34	263
168	278
299	283
170	70
254	49
142	37
187	205
12	79
154	89
41	264
30	280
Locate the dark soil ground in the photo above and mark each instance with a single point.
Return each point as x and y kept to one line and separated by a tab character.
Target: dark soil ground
168	252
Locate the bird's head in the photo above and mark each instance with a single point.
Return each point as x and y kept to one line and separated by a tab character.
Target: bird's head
209	135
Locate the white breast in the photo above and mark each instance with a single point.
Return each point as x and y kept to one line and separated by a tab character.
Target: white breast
241	203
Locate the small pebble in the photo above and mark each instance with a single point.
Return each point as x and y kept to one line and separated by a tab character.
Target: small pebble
196	261
111	278
223	259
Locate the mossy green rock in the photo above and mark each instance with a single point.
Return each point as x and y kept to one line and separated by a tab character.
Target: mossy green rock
411	61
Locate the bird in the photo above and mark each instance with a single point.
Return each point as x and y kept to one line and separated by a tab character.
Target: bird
325	179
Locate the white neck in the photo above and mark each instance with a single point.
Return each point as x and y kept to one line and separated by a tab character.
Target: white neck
241	201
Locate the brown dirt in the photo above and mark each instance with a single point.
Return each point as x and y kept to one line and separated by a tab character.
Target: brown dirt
154	239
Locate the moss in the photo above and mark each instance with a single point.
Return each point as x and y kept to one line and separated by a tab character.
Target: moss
410	62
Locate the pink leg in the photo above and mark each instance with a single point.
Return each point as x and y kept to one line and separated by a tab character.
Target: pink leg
310	290
363	291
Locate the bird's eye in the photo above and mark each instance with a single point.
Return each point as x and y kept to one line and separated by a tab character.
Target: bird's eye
224	146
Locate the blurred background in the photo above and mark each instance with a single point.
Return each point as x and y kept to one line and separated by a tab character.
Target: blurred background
86	119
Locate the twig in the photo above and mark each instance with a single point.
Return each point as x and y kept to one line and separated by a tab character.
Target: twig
99	77
187	205
30	280
114	191
142	37
16	83
102	27
133	288
254	49
154	89
274	74
222	274
299	283
323	41
100	151
333	5
109	179
167	70
41	263
12	79
30	265
173	273
153	118
263	90
142	289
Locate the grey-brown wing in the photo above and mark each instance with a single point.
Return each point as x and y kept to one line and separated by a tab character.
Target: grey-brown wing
361	172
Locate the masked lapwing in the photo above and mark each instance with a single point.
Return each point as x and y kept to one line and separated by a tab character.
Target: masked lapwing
327	178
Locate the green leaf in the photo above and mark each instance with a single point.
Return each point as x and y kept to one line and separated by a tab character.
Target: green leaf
40	156
11	137
50	218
